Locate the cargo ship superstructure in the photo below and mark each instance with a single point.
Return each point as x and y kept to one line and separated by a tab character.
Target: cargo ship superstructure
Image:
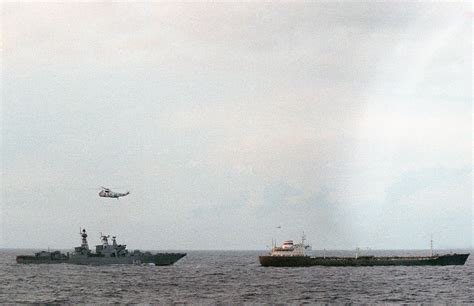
290	254
105	254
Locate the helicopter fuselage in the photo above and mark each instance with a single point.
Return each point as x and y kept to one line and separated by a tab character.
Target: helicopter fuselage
106	193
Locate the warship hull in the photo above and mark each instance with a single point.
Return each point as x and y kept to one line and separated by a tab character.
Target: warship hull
160	259
306	261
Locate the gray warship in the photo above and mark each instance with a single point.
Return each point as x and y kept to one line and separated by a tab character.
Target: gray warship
105	254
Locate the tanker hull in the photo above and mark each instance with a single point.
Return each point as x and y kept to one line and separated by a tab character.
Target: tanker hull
306	261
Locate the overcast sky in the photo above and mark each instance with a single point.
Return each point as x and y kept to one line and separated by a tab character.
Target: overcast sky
348	121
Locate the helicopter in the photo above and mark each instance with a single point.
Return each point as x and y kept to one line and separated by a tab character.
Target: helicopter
107	193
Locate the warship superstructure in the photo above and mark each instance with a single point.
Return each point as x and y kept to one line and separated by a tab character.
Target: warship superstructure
290	254
105	254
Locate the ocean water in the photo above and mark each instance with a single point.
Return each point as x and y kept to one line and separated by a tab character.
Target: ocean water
233	276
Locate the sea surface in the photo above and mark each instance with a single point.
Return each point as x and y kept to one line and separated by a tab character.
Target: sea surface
234	277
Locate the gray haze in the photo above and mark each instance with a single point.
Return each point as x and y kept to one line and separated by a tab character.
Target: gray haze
349	121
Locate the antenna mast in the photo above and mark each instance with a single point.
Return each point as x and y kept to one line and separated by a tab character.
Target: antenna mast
431	245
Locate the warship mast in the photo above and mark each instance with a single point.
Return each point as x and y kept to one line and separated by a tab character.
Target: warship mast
84	243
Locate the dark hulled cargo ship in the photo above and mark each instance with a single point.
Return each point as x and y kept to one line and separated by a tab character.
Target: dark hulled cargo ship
301	255
105	254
